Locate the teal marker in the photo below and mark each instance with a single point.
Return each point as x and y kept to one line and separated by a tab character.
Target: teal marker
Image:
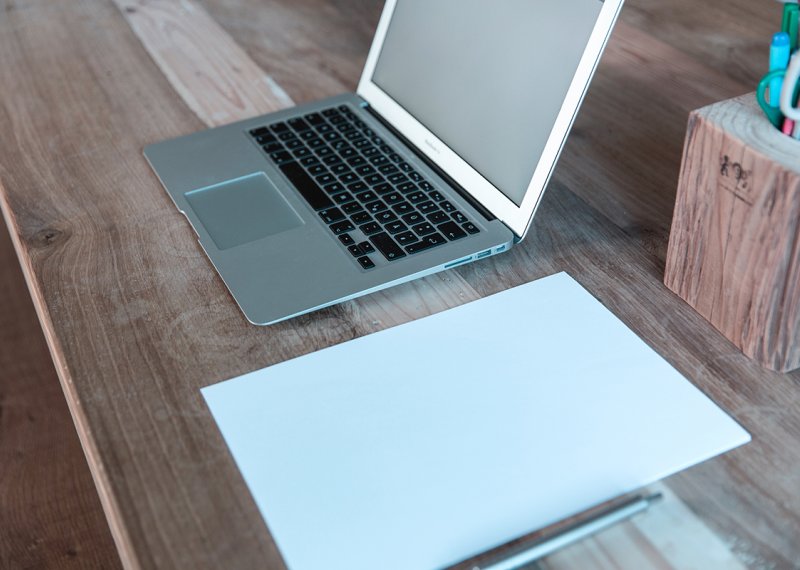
778	60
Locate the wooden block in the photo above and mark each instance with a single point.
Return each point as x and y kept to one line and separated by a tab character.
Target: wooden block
734	249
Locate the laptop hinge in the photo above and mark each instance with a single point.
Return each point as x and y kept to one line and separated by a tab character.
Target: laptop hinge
432	165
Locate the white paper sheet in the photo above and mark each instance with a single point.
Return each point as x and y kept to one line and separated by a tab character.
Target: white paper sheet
422	445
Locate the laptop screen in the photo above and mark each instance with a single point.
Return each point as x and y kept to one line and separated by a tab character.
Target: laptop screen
487	77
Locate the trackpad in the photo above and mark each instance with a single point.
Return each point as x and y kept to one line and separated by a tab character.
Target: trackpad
243	210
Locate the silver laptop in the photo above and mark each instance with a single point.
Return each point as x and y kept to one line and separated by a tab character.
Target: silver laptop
440	158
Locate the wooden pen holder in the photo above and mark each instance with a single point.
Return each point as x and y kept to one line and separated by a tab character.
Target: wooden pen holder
734	249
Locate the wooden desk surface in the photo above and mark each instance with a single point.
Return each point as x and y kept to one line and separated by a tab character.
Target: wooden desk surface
137	321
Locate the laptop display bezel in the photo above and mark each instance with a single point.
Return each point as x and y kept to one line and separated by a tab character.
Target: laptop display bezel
516	217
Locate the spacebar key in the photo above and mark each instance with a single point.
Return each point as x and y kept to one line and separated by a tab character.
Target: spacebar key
305	184
387	246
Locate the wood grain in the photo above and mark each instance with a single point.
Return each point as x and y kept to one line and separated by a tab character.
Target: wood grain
733	251
137	322
49	511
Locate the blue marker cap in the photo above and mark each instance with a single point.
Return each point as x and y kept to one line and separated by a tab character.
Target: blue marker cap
781	39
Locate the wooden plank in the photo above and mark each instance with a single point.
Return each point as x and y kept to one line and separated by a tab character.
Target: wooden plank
211	73
51	515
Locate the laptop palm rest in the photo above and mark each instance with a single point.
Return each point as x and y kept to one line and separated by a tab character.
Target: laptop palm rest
242	210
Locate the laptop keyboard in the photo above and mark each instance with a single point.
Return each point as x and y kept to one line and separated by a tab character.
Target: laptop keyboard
372	200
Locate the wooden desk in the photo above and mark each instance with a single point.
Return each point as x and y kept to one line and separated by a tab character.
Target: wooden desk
137	321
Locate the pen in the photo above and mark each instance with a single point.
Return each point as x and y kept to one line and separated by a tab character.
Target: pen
527	553
778	59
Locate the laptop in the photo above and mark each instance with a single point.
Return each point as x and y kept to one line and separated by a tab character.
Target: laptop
439	159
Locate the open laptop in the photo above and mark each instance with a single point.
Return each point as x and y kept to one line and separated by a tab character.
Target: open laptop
440	157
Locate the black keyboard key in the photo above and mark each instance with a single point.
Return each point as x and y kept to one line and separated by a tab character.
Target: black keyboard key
294	143
347	239
395	227
326	178
406	238
331	215
273	147
317	169
436	196
267	139
413	218
309	161
425	185
332	159
315	119
361	218
309	189
348	152
366	262
301	152
395	157
324	151
288	135
405	167
330	112
360	143
438	217
369	151
423	229
366	247
384	243
342	197
398	178
416	176
342	227
427	207
386	217
367	196
299	124
403	208
317	143
281	157
331	138
352	207
359	187
470	228
374	179
355	251
375	207
417	197
333	188
459	217
365	170
348	178
379	160
370	228
426	243
388	169
340	168
279	128
407	187
357	160
451	230
260	131
393	198
326	128
306	135
384	188
447	207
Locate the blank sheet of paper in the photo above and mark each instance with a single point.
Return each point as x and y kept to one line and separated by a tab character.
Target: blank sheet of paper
422	445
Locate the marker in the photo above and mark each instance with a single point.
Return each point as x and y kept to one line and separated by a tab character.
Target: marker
791	17
778	59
